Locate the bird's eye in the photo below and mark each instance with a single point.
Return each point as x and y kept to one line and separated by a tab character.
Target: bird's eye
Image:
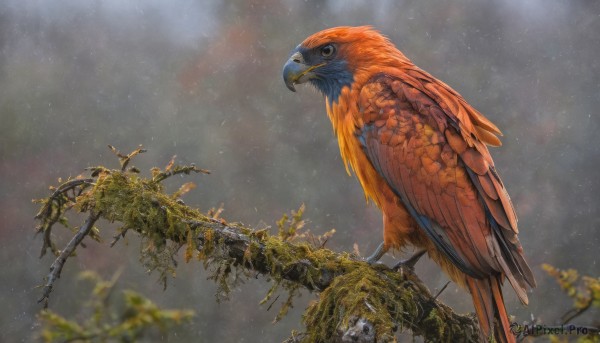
327	50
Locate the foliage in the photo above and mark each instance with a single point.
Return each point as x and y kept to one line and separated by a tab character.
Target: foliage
585	292
127	319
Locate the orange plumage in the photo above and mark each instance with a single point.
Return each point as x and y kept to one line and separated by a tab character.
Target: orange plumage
419	151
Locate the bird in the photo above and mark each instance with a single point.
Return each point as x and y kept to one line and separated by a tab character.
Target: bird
419	151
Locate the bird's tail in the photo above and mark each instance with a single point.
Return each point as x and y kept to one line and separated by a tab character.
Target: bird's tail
489	305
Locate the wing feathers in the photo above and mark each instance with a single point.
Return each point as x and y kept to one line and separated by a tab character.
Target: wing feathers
488	186
487	136
455	141
413	195
428	144
507	205
452	102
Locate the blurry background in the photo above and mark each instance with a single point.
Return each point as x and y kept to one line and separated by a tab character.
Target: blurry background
202	79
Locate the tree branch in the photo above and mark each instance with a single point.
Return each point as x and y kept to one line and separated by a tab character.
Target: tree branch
356	301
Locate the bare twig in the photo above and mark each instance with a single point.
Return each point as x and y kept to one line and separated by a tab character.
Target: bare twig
574	313
162	175
124	159
441	290
59	262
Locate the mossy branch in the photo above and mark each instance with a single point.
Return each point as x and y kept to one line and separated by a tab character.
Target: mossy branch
357	302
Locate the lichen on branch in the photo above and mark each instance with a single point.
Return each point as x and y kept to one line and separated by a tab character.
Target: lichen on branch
379	300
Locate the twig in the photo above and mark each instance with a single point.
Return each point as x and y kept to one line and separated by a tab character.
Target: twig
57	265
48	218
162	175
441	290
567	317
61	190
124	159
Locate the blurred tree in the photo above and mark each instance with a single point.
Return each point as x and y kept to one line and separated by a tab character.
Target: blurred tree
133	320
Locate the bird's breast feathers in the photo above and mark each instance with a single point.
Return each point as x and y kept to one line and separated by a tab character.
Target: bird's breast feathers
346	120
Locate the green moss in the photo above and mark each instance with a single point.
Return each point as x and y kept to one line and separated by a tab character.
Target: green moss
434	320
363	292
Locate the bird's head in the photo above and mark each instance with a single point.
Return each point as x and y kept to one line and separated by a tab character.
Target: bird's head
330	59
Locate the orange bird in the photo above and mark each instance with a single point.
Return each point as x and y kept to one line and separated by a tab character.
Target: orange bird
419	151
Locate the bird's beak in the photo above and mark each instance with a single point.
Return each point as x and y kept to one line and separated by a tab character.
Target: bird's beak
296	71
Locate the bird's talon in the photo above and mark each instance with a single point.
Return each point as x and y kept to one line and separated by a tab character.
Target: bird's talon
377	254
410	262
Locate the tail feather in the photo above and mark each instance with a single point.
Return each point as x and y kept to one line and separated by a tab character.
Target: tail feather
489	305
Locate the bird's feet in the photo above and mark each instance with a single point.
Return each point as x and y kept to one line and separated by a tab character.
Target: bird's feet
377	254
410	262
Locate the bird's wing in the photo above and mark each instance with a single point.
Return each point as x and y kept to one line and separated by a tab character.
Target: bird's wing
429	145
